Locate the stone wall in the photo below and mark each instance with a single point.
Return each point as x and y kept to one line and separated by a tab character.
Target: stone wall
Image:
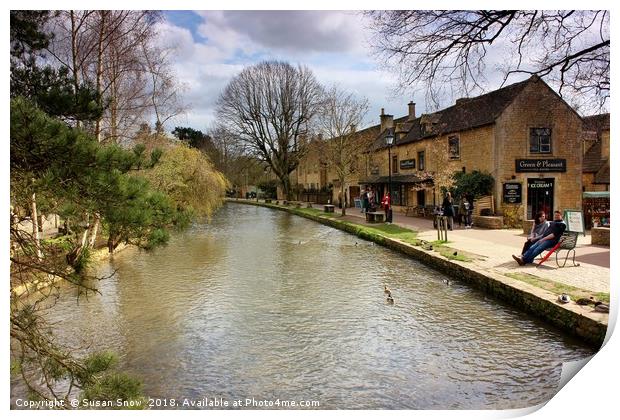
489	222
600	236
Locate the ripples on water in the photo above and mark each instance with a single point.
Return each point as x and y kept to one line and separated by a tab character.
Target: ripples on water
268	305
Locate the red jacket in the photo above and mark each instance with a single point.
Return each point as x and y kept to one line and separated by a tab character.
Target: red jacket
386	202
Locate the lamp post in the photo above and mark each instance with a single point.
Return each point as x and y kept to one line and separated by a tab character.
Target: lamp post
389	140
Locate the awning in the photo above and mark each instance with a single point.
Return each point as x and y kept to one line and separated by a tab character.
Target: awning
396	179
595	194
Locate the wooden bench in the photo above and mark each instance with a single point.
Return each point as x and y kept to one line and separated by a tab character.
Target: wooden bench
375	217
328	208
567	242
416	211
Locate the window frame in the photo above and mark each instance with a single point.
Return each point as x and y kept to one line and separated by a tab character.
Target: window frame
458	148
422	160
535	133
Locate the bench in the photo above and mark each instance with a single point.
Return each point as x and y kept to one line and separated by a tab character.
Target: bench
567	242
375	216
416	211
328	208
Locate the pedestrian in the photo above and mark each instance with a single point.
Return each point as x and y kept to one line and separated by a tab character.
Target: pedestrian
469	205
538	228
371	199
462	216
551	236
448	210
365	202
385	203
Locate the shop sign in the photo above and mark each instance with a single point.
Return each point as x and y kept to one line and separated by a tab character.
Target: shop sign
407	164
512	192
540	165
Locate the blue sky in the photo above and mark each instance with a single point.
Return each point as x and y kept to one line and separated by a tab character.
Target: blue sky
213	46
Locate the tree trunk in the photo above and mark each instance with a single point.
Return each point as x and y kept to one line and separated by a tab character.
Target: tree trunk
35	227
343	200
74	57
94	230
103	15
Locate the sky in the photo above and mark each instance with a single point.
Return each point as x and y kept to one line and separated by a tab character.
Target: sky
214	46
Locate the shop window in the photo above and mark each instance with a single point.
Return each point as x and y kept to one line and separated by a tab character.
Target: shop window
421	161
540	140
454	148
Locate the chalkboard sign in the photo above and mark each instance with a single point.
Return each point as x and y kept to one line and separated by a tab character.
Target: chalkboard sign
512	193
358	203
574	221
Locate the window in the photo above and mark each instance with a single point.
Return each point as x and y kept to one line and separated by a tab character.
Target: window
394	164
540	140
421	162
454	147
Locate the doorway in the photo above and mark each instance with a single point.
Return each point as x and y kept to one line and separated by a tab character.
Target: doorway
420	197
539	196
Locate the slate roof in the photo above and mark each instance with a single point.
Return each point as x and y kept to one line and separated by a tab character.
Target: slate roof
466	114
592	160
602	176
596	123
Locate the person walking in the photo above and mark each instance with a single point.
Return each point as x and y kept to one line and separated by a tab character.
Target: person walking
550	238
365	202
462	216
538	229
448	210
386	206
371	199
469	205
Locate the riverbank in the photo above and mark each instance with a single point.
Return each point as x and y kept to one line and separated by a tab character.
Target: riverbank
96	255
530	293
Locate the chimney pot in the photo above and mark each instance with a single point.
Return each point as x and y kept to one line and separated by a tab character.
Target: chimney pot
411	116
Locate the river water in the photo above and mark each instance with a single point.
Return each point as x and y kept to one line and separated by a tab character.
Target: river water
266	305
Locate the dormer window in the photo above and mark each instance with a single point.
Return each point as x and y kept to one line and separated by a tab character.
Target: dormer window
540	140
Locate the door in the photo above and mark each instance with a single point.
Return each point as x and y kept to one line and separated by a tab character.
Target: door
420	197
540	196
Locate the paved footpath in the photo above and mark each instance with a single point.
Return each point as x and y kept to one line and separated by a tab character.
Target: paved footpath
496	247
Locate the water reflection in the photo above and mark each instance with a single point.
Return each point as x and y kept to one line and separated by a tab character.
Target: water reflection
268	305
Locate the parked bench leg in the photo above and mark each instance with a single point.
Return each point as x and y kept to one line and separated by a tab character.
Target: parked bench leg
549	253
568	251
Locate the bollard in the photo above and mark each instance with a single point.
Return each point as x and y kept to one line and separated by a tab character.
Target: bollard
442	228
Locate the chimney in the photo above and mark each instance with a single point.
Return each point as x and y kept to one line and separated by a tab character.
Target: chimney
387	120
411	111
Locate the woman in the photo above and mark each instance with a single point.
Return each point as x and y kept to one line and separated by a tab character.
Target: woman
386	203
448	210
540	225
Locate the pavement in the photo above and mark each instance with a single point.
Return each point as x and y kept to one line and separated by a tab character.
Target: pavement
495	247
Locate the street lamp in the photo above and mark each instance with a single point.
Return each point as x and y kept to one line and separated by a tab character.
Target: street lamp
389	140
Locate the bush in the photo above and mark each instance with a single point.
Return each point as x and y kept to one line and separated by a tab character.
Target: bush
477	183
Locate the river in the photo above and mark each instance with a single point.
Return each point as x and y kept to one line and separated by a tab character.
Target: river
263	304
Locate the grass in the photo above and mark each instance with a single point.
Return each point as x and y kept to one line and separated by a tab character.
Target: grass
392	231
558	288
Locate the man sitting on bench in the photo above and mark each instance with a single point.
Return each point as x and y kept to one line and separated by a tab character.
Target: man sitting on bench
550	238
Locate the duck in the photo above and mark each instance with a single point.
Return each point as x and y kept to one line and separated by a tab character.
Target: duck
601	307
386	290
585	301
390	299
563	298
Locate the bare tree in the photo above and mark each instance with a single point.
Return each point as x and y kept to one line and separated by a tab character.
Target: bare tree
450	49
269	107
342	114
164	90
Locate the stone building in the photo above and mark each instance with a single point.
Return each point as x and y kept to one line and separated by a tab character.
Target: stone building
524	135
596	153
